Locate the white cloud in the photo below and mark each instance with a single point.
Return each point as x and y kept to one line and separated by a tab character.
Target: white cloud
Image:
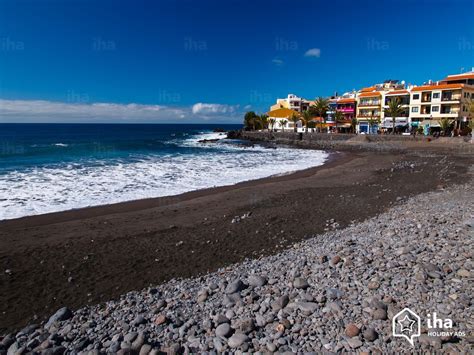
51	111
202	108
278	62
313	52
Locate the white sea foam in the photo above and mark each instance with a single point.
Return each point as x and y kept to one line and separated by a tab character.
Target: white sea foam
51	189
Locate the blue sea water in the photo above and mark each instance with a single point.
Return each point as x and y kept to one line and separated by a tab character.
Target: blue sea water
54	167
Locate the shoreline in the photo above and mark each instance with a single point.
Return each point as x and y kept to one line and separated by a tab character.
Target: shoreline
113	201
89	256
151	202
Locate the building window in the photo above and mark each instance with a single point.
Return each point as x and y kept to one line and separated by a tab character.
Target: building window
416	96
435	109
436	95
414	109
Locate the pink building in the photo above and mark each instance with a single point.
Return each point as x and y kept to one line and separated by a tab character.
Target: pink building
348	107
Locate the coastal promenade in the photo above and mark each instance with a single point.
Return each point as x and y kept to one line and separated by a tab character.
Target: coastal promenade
318	260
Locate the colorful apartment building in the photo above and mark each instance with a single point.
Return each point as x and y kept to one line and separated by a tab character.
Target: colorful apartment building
369	110
372	102
347	105
431	103
422	105
403	98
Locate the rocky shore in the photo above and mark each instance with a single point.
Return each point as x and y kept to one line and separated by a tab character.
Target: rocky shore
334	292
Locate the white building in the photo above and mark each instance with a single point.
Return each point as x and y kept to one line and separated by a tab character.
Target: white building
292	102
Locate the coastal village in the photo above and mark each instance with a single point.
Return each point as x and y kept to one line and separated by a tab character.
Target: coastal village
442	107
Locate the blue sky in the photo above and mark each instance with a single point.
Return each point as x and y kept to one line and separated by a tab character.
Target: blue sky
194	61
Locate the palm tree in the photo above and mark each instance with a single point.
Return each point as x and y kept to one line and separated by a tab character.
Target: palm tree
338	117
321	106
353	124
372	121
394	110
471	107
263	118
445	124
307	118
282	124
295	119
250	120
272	123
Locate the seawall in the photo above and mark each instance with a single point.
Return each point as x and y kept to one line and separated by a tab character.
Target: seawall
352	142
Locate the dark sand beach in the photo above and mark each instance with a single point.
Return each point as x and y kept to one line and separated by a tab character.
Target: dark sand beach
92	255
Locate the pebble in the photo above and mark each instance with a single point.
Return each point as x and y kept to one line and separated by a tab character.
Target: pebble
237	340
257	281
223	330
352	330
415	254
370	334
61	314
354	343
234	287
160	319
300	283
380	314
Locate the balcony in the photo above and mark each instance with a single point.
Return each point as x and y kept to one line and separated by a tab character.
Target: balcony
402	116
370	103
368	117
451	98
448	112
346	110
403	102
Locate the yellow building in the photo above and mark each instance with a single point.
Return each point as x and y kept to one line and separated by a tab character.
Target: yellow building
369	110
282	119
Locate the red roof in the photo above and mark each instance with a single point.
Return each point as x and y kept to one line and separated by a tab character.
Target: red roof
370	94
346	101
459	77
438	87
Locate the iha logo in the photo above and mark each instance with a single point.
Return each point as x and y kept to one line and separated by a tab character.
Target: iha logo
407	324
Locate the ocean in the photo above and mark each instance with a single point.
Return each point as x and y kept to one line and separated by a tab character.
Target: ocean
56	167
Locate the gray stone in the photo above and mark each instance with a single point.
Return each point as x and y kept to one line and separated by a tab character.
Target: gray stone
139	320
307	307
61	314
354	343
257	281
280	302
237	340
235	286
223	330
370	334
380	314
300	283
